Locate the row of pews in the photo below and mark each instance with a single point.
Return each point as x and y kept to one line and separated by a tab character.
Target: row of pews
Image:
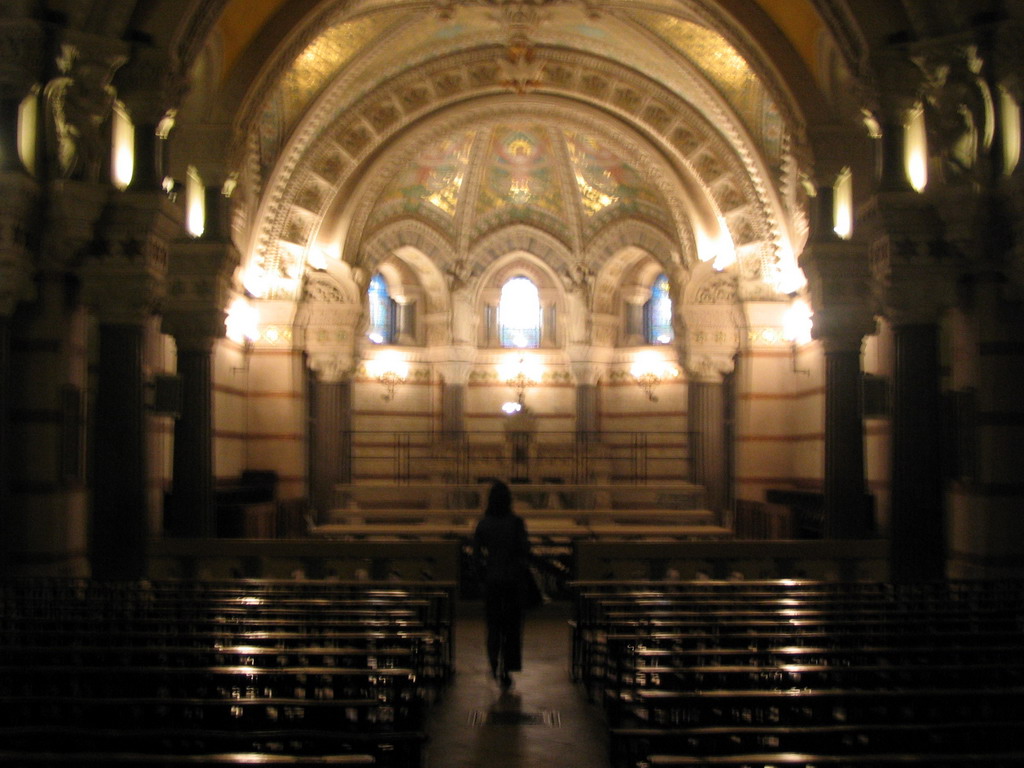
241	672
804	673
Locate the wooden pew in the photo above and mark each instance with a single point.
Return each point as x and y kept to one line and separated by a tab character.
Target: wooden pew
221	673
804	673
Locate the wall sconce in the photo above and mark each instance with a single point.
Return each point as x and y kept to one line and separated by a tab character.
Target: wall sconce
519	373
648	371
796	329
390	371
242	326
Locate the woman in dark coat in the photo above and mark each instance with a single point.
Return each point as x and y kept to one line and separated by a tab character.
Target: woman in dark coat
502	543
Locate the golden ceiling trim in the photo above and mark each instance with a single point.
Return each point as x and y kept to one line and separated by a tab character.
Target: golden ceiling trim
329	160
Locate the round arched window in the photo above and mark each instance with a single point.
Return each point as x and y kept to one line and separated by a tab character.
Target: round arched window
658	313
519	314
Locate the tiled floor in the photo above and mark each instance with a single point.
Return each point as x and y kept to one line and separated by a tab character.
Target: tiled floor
545	721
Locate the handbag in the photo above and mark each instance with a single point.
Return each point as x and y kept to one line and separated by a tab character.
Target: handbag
530	593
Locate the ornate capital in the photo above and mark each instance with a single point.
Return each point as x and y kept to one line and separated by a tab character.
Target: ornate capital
72	215
196	329
125	267
333	367
709	368
839	281
199	274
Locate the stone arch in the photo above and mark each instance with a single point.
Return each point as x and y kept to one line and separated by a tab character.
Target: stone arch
358	141
618	248
425	251
522	238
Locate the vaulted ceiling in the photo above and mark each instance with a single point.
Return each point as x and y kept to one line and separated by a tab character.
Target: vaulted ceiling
696	122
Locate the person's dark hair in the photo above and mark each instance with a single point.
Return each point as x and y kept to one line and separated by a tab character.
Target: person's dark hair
499	500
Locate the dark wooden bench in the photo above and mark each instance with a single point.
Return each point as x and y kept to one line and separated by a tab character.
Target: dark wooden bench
800	673
219	673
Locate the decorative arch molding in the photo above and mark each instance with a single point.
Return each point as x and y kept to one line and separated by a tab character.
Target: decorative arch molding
422	248
522	239
656	118
683	192
618	250
632	233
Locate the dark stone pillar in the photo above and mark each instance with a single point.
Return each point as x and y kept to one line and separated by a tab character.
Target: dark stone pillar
5	419
846	511
453	419
332	424
918	526
586	411
147	173
193	509
119	527
707	430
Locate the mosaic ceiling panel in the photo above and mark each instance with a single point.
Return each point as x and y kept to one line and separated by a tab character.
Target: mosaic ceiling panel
311	71
434	177
519	173
729	72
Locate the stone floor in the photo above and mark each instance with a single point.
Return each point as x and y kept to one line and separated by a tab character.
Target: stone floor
544	721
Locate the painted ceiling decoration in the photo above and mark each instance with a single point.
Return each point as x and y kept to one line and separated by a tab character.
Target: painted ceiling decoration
703	136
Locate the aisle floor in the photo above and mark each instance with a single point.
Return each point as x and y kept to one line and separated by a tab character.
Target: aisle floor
544	721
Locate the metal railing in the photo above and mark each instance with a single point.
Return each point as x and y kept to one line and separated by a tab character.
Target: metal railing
463	457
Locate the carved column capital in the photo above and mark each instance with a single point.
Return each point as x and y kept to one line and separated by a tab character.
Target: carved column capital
333	368
199	274
709	368
124	272
454	370
839	284
73	211
913	270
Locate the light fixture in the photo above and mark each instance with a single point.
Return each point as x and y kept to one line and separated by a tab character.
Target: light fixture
242	326
796	329
649	370
519	372
389	370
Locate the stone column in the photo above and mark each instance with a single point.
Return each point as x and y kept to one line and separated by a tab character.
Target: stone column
914	275
839	281
150	90
454	373
708	448
19	193
586	374
192	511
846	502
332	438
124	284
199	285
918	526
22	40
119	534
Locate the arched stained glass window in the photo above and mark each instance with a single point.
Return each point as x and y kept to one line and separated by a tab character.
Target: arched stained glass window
519	313
382	312
658	313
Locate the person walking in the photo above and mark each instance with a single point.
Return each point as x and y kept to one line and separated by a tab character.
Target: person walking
501	542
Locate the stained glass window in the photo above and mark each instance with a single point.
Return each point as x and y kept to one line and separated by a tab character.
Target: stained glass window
519	313
658	313
382	312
